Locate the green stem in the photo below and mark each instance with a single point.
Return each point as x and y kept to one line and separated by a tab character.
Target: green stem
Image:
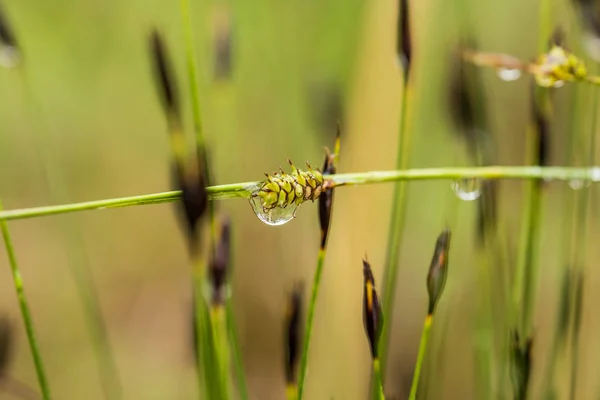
27	320
218	321
396	226
245	189
378	378
188	33
238	363
309	321
420	356
79	265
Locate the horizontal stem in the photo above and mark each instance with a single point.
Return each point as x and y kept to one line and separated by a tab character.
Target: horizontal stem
245	189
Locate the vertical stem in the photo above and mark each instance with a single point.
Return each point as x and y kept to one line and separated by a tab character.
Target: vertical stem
421	356
378	380
238	363
23	305
220	345
396	226
79	265
309	321
190	53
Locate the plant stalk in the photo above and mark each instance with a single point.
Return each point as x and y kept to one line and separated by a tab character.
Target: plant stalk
421	356
23	305
309	320
245	189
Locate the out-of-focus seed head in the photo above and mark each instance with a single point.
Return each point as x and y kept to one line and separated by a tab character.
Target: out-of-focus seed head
219	264
293	332
403	37
466	101
589	14
163	74
6	345
542	125
557	66
326	198
222	42
325	97
372	312
487	210
522	362
438	270
282	190
10	53
192	182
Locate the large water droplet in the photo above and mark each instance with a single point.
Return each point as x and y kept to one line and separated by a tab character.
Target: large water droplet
577	184
467	189
508	74
9	56
275	216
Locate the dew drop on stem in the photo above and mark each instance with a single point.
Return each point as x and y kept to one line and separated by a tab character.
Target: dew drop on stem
275	216
508	74
467	189
577	184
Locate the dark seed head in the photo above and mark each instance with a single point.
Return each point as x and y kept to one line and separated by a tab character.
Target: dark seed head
194	197
487	210
220	262
466	103
438	270
222	44
372	313
6	345
164	75
326	197
522	362
7	36
293	331
403	39
541	125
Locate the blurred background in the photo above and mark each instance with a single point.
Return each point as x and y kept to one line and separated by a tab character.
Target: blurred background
86	94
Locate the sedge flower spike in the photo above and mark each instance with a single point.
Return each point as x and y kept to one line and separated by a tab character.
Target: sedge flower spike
438	270
372	313
283	190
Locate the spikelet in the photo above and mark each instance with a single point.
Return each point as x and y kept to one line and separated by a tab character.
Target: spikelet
282	190
558	65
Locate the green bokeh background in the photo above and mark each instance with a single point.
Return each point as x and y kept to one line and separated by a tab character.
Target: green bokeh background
87	87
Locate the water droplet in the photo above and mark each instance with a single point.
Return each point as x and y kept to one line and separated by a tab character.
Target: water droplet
467	189
275	216
9	56
595	175
508	74
577	184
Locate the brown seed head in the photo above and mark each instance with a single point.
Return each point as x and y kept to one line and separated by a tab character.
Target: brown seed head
372	313
438	270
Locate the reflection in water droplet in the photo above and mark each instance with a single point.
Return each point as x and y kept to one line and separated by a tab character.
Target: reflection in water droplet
9	56
467	189
509	74
577	184
558	84
275	216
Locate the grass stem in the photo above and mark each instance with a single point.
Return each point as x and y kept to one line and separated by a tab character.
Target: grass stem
23	304
421	356
245	189
309	321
